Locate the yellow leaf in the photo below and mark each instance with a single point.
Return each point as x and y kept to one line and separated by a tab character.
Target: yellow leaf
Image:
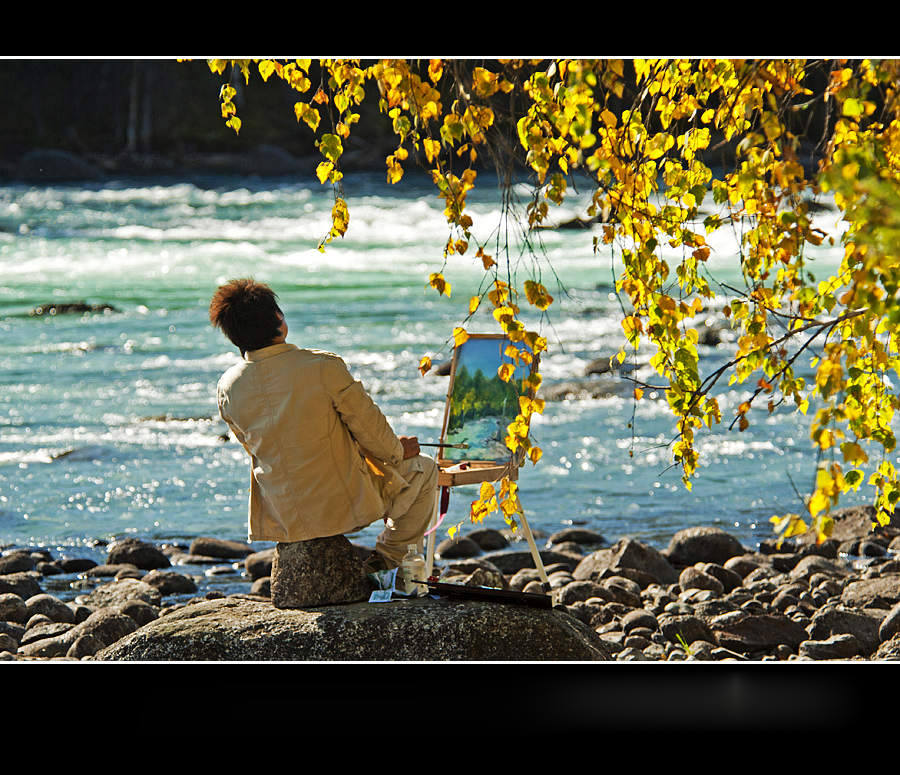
824	529
638	394
436	280
432	148
535	454
460	336
506	371
266	68
424	365
818	502
474	302
486	261
324	170
537	295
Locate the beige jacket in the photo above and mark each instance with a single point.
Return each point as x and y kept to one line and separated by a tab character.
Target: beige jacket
304	421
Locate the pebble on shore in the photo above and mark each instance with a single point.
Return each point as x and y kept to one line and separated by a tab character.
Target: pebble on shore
705	597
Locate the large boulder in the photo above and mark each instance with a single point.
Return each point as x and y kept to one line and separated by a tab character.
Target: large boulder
702	544
854	522
238	628
321	571
627	553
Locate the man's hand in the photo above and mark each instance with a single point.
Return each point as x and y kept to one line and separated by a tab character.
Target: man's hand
410	446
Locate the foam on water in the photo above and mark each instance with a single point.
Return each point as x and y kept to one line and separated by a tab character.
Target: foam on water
108	422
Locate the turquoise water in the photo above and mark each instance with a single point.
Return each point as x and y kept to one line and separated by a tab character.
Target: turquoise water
108	423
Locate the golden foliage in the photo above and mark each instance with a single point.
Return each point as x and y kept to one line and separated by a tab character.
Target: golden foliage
645	131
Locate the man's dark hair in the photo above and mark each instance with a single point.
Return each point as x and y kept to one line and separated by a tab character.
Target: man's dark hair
247	312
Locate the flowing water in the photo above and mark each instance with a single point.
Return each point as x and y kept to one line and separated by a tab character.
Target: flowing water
108	423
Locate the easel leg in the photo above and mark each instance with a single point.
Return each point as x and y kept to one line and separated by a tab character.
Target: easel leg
430	540
538	563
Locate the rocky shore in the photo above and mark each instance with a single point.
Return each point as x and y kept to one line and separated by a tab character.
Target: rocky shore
705	597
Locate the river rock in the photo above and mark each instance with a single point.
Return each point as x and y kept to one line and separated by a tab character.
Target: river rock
17	561
746	632
813	563
623	590
12	608
488	539
702	544
853	522
109	570
25	584
106	625
259	564
639	618
220	548
627	553
451	548
510	562
863	624
694	578
237	629
688	627
321	571
136	552
729	578
483	577
14	630
890	625
577	535
877	592
836	647
121	591
889	650
139	610
169	582
44	631
56	610
577	591
76	564
84	646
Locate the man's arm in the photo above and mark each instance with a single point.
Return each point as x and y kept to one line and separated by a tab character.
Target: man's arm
365	421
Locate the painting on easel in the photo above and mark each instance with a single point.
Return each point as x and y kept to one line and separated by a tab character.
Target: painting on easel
480	405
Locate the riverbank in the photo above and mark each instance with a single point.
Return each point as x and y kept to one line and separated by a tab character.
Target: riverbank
705	597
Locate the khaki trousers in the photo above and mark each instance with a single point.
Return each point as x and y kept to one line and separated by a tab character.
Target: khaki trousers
409	511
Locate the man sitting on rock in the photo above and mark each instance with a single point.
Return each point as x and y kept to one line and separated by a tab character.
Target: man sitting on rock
324	460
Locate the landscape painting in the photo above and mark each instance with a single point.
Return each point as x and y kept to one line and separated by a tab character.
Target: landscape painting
481	405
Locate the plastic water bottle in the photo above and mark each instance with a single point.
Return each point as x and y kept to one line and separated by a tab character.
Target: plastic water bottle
411	573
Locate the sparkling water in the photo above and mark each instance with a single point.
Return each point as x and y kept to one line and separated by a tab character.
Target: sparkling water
108	423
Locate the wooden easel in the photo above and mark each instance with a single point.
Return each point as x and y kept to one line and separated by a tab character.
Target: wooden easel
453	473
